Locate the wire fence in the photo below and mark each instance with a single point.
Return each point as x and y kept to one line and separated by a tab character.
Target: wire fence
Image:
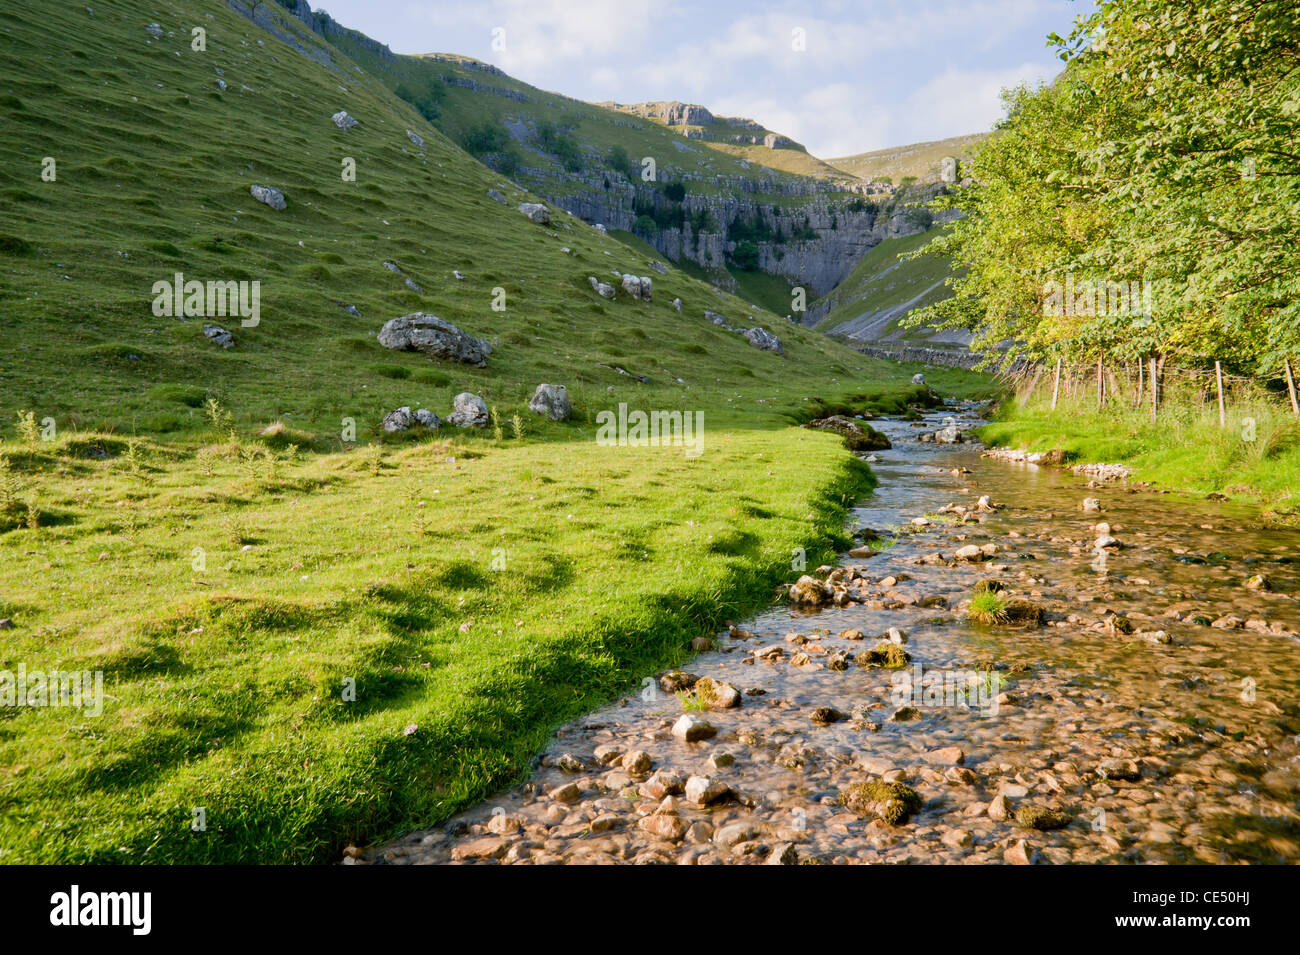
1152	385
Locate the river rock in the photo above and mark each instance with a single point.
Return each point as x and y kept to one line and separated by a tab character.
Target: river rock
552	401
716	695
691	729
704	791
891	802
434	336
809	592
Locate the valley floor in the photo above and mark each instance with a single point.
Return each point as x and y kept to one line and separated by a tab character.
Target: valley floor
303	650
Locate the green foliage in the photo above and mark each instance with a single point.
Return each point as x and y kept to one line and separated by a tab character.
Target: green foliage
675	191
746	255
1163	155
560	143
618	159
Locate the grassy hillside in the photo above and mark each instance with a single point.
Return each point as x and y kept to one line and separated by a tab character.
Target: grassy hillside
921	161
883	288
200	525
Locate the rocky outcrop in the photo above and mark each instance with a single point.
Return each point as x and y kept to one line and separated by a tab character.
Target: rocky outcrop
435	337
764	340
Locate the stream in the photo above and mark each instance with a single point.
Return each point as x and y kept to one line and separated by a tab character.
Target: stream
1152	716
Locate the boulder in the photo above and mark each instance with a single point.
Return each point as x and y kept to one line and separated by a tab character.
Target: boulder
427	418
639	287
271	196
343	121
398	420
435	337
219	336
677	304
470	411
857	436
496	196
603	289
552	401
536	212
764	340
415	138
918	379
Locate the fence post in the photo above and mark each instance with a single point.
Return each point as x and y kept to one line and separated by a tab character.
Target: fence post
1141	365
1056	384
1155	393
1101	393
1290	387
1218	378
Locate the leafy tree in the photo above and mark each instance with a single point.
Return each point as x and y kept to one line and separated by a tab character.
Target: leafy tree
619	160
746	255
1165	153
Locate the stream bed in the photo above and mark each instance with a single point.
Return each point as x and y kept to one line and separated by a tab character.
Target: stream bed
1151	716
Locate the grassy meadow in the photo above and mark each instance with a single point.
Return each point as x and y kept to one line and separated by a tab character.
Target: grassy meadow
1257	454
312	631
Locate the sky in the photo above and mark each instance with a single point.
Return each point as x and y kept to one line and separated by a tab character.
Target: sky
839	76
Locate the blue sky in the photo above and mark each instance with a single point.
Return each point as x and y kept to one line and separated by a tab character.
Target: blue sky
873	73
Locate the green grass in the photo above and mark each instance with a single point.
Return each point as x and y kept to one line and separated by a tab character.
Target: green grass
922	160
987	607
881	281
198	528
227	596
1257	455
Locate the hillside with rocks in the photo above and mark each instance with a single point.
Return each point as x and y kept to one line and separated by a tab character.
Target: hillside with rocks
722	196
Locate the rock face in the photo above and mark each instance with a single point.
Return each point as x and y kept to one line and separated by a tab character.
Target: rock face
434	336
471	411
552	401
343	121
764	340
271	196
536	212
